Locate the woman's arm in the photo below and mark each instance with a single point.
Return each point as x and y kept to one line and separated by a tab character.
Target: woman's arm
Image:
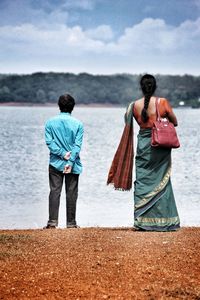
170	114
172	118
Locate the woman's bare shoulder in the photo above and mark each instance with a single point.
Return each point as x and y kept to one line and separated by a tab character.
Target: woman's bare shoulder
139	101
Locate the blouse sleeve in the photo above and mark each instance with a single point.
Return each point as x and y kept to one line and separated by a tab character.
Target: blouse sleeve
168	107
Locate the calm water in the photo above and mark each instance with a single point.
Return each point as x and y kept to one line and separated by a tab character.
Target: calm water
24	168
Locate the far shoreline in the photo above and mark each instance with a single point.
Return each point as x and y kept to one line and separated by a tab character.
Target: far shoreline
90	105
49	104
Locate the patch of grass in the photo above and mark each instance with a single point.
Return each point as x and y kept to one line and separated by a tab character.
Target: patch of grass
5	238
4	255
183	293
10	244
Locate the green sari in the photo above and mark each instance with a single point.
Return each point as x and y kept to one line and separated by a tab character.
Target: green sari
155	207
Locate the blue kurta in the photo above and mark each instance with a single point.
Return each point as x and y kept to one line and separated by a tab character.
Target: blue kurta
64	133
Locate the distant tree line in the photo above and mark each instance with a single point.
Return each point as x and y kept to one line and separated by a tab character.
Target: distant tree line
87	88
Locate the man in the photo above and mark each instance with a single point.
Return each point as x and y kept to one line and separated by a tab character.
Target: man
64	135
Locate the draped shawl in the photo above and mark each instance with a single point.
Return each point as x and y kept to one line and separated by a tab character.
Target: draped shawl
120	173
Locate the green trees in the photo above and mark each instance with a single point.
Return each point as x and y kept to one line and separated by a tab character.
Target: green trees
86	88
5	93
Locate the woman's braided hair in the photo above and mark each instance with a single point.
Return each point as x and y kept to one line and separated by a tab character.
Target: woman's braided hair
148	86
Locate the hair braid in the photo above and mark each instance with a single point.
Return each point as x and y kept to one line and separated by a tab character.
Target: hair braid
148	86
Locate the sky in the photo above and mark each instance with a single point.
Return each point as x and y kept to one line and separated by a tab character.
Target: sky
100	36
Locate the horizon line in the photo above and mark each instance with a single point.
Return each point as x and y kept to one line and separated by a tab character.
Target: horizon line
97	74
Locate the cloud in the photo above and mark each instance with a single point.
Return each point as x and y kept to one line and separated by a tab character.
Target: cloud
37	40
154	36
197	3
81	4
46	13
149	45
103	32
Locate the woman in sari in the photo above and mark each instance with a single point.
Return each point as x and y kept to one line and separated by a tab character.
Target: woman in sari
154	203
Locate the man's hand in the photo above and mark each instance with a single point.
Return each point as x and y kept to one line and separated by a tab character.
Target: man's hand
67	155
67	169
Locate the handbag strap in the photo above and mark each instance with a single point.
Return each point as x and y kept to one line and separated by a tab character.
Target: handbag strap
157	110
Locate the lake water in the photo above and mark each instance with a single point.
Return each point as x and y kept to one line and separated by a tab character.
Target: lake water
24	168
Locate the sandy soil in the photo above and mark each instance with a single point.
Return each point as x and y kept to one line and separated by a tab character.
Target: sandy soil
97	263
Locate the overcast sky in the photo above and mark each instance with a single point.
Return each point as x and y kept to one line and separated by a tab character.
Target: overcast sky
100	36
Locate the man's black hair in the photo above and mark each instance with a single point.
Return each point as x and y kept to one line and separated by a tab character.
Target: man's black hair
66	103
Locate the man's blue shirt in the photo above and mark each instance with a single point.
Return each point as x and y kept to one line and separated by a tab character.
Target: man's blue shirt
63	133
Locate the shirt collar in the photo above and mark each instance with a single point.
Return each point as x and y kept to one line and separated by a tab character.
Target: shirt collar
65	113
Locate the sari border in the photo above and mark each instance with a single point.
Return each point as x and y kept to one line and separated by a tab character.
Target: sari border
173	227
149	204
130	107
160	221
156	190
157	224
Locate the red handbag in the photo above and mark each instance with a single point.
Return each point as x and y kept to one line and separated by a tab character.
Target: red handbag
163	132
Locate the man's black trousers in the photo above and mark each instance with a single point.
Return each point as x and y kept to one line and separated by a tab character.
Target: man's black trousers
71	188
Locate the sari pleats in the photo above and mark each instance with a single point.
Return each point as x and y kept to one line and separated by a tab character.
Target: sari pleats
155	207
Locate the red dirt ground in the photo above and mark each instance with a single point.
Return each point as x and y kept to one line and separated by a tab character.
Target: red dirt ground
99	263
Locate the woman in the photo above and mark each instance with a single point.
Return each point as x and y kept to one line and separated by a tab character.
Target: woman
155	207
